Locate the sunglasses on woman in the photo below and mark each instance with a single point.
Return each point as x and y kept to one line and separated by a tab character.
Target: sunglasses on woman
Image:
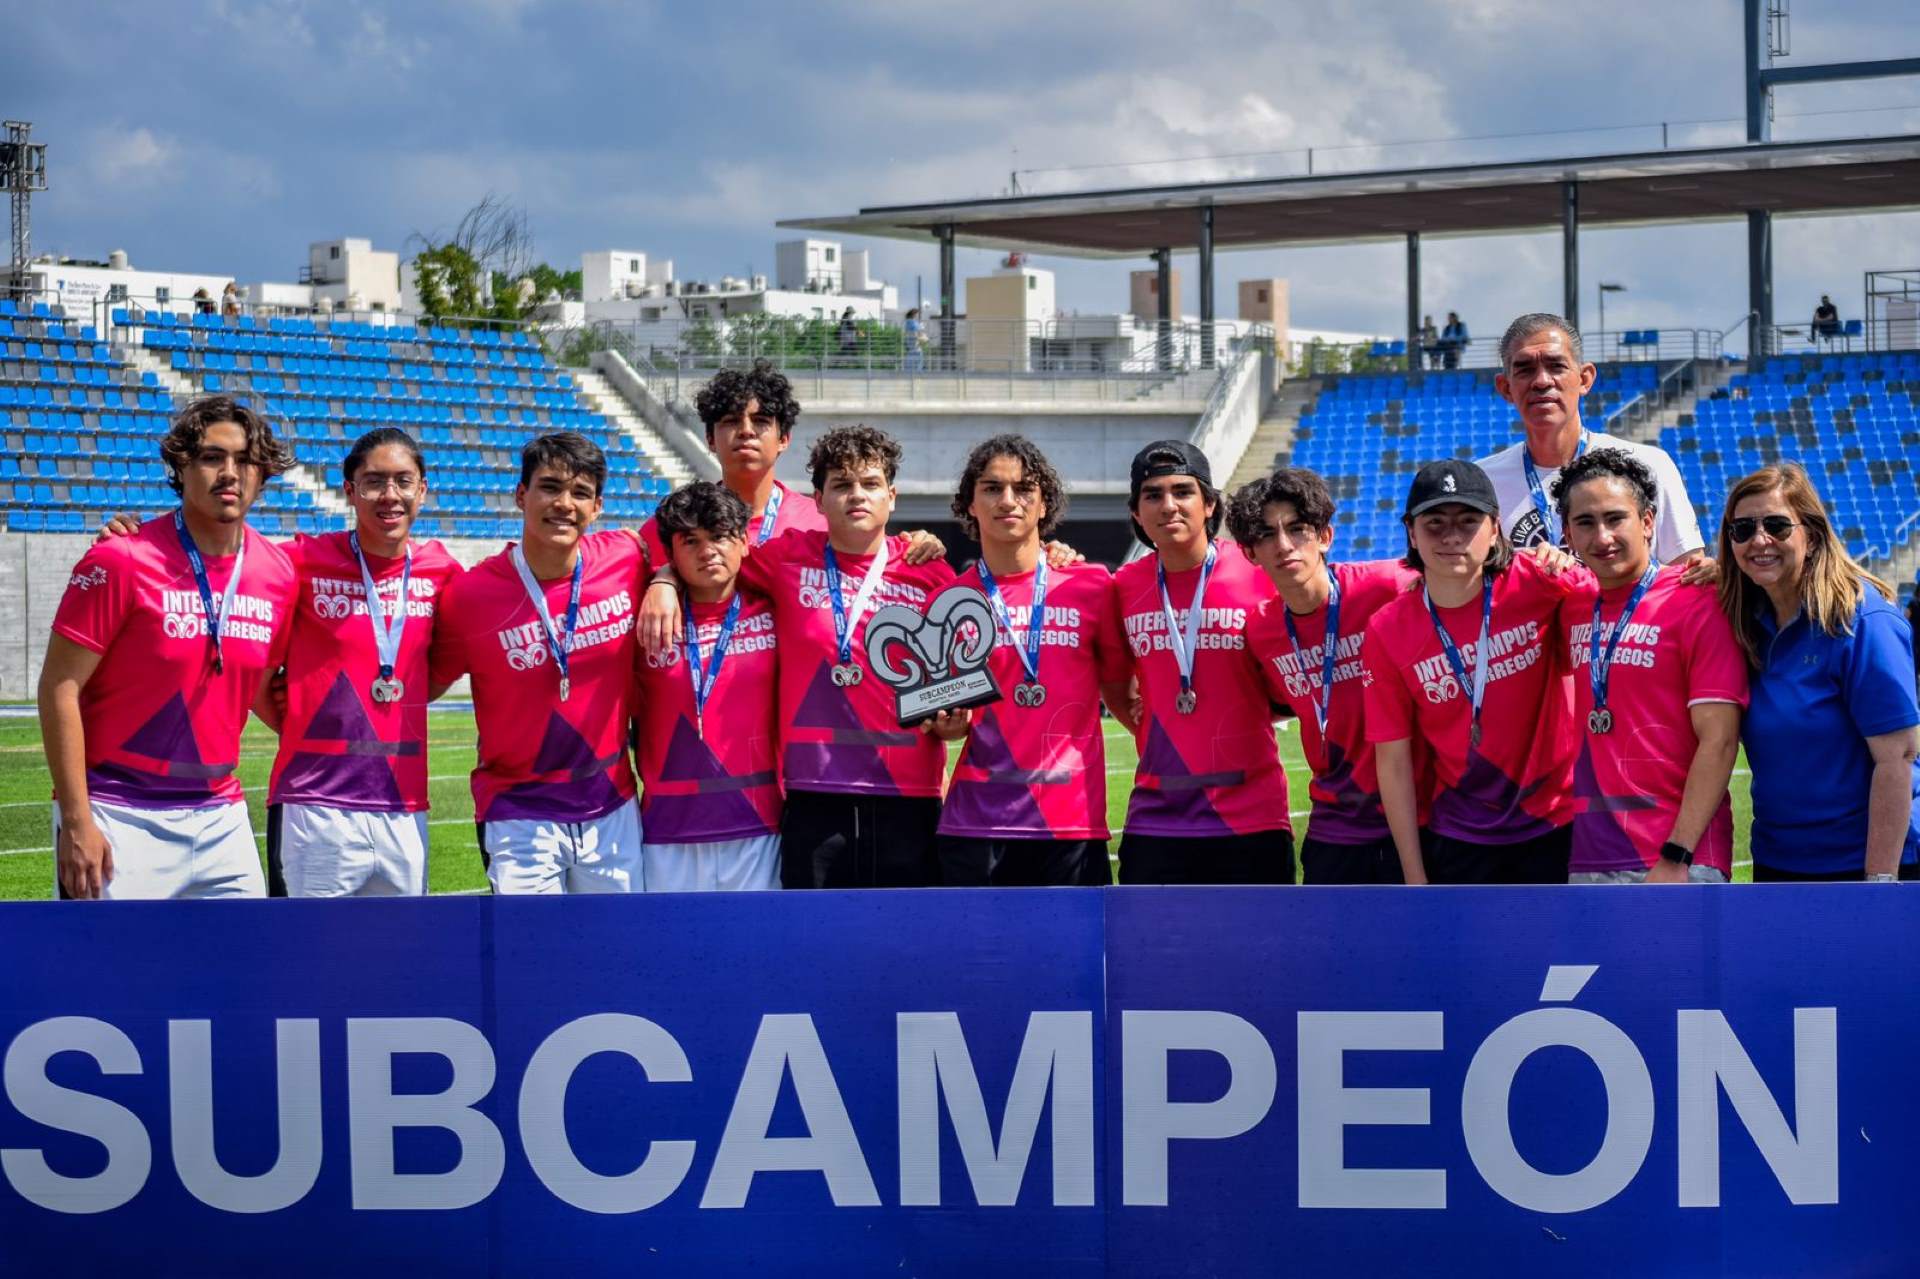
1744	527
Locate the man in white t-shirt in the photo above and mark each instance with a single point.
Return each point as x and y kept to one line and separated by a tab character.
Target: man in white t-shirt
1543	375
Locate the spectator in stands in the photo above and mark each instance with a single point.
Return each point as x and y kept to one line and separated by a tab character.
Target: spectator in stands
1453	340
1430	343
230	301
1209	801
1544	374
1831	730
1826	320
849	333
1659	682
1467	704
202	302
915	334
162	643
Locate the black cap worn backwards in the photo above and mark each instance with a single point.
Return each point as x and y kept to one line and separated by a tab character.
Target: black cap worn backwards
1451	482
1191	461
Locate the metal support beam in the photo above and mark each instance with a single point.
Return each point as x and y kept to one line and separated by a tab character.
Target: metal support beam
1759	285
1206	286
1163	309
1416	357
1828	71
947	296
1570	252
1759	60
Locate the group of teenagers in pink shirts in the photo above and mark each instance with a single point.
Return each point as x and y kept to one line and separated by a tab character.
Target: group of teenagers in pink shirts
1469	713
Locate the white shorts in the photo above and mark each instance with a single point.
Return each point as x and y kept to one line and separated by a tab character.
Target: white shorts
600	856
344	852
1696	874
722	866
165	853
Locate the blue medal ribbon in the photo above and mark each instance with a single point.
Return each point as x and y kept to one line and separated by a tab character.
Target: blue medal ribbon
559	645
768	516
1452	650
1599	661
1323	700
842	623
387	632
704	678
214	618
1030	655
1549	513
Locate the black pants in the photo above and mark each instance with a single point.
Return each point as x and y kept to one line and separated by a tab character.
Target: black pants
969	862
276	865
1264	857
829	840
1909	872
1540	860
1374	863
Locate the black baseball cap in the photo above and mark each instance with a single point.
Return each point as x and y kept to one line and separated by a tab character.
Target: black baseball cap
1452	482
1185	460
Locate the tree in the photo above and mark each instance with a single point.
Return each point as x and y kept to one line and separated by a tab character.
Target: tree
456	274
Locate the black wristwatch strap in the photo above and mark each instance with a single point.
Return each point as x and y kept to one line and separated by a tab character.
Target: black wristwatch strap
1672	852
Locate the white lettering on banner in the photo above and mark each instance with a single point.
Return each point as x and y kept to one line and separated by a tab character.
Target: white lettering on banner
932	1061
39	1099
1150	1122
934	1065
190	1111
1807	1166
375	1110
543	1118
1327	1108
788	1045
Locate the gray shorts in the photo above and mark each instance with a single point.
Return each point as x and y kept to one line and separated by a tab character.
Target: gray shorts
1696	874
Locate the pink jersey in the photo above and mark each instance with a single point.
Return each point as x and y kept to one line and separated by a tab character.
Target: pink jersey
846	740
797	511
162	729
1040	772
1216	771
714	776
1678	650
339	746
1517	784
541	758
1345	789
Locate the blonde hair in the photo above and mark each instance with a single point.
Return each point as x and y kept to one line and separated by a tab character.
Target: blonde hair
1831	583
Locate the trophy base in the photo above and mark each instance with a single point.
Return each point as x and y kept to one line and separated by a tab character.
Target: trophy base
975	688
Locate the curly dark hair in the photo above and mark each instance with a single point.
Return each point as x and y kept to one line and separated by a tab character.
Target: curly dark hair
705	506
1304	490
1033	467
568	452
728	391
1597	464
379	437
847	447
181	444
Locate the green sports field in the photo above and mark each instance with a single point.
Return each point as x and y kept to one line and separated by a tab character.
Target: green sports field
26	837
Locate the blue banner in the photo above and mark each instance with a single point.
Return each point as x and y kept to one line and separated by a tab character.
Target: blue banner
1075	1082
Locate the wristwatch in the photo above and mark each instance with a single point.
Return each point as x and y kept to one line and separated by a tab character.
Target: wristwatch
1673	852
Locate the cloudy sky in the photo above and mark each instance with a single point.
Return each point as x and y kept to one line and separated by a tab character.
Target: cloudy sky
223	135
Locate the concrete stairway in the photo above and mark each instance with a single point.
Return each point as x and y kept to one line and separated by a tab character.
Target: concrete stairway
1274	436
601	396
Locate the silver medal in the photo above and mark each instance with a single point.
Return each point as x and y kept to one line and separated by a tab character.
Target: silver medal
846	674
1473	736
1186	702
386	689
566	687
1600	720
1030	693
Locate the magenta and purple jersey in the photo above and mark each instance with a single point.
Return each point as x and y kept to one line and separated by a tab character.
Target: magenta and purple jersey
340	746
541	758
842	739
1215	771
1345	788
711	776
1040	772
162	727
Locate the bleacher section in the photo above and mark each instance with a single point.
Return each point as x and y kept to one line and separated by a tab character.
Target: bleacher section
83	428
1852	420
1368	434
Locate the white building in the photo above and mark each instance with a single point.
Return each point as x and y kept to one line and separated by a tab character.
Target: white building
617	273
351	275
89	289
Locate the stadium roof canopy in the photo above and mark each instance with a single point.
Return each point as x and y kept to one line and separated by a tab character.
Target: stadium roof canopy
1636	189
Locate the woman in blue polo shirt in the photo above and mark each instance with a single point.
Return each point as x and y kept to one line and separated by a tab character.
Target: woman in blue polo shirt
1831	732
